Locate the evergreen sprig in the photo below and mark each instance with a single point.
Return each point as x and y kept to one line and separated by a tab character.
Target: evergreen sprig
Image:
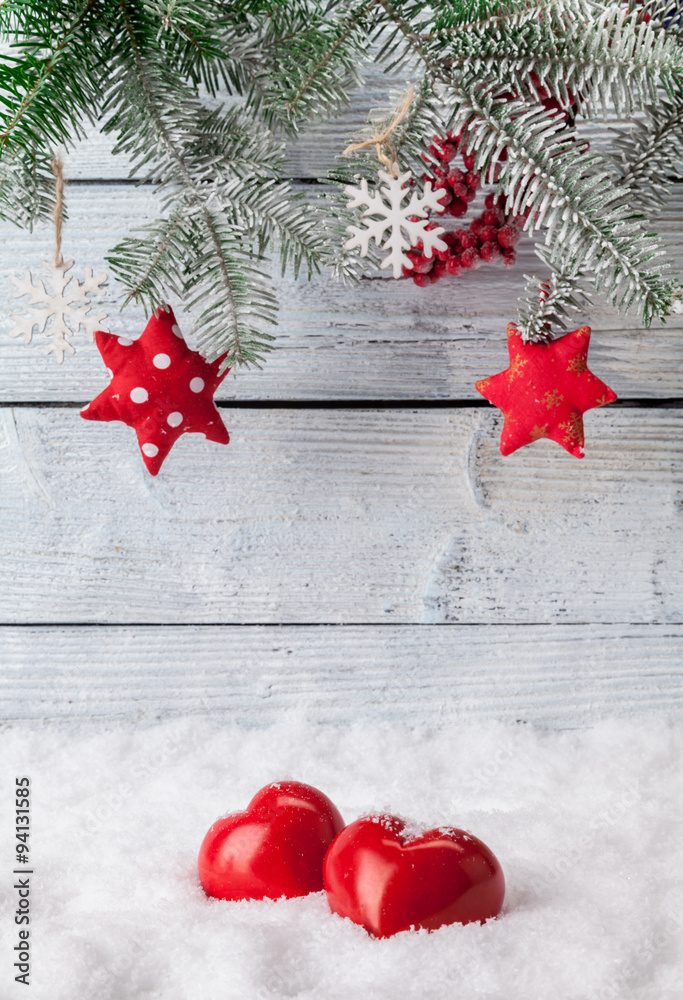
142	69
487	60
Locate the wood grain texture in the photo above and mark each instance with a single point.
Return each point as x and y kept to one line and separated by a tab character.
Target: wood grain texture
383	339
556	676
309	516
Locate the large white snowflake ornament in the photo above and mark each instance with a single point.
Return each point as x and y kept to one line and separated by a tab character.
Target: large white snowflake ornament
61	313
391	214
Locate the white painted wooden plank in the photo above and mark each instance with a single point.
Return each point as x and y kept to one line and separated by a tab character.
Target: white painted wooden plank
382	339
399	516
548	675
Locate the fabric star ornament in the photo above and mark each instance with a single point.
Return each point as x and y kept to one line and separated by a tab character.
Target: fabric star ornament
545	391
159	387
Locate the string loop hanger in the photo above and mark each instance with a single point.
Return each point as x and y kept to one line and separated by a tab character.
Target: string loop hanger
381	139
58	171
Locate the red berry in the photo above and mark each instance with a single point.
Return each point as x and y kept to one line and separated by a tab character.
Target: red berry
422	280
442	254
469	241
508	236
457	208
421	265
460	190
455	176
431	225
509	258
488	234
446	198
469	161
488	200
441	268
489	252
434	150
454	266
433	276
471	259
473	180
451	238
449	151
470	196
476	226
494	217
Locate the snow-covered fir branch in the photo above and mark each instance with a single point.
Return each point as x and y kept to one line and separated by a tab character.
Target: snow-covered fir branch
143	67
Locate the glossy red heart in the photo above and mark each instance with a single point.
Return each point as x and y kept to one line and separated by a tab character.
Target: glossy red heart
388	881
274	848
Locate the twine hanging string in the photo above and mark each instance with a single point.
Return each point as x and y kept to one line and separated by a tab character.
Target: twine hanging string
57	170
382	139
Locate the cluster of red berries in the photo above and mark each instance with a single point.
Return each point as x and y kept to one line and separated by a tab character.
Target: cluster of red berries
491	236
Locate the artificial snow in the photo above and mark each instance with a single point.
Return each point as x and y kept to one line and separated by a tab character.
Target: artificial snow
585	823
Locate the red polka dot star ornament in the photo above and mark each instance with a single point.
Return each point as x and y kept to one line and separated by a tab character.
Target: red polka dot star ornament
545	391
159	387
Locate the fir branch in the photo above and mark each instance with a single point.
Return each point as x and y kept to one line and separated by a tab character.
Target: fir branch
27	191
53	102
316	64
649	158
239	342
568	193
220	187
549	300
149	267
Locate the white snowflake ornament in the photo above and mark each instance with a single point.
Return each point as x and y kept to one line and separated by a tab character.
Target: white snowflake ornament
391	214
61	313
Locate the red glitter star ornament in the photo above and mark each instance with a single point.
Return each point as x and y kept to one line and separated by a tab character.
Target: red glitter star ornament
545	391
159	387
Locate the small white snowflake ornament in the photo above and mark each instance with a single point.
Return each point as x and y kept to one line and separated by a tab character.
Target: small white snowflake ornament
390	214
62	312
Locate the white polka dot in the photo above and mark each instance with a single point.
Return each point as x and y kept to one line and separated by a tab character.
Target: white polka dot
110	373
197	384
176	329
139	395
150	450
174	419
125	342
161	361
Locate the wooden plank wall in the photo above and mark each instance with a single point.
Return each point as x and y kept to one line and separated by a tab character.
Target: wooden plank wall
361	546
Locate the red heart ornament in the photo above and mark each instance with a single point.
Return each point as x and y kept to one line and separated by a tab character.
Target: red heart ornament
274	848
379	876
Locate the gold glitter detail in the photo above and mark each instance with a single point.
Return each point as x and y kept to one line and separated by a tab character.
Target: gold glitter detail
603	401
539	432
578	365
574	428
516	367
553	398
